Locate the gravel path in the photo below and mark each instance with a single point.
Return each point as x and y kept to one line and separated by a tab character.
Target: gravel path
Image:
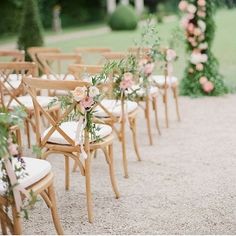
186	183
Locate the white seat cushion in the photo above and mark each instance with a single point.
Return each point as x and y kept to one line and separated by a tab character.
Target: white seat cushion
70	128
28	103
153	91
58	77
36	170
14	80
160	80
114	107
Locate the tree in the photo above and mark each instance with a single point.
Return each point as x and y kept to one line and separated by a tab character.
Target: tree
31	27
201	74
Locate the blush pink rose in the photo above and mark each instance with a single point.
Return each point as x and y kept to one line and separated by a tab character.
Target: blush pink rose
197	31
127	81
199	67
201	14
208	86
170	54
203	80
190	28
148	69
201	3
13	149
87	102
183	5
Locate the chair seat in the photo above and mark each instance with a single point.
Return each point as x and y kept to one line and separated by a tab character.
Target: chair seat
58	77
153	91
28	103
160	80
70	128
14	80
36	170
114	107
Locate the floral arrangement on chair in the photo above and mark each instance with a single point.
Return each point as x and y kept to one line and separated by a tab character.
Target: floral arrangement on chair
201	75
9	150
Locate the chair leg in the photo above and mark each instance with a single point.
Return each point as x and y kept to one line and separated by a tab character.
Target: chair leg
123	144
111	171
134	134
55	216
88	189
175	93
156	115
165	98
3	225
17	227
67	173
147	115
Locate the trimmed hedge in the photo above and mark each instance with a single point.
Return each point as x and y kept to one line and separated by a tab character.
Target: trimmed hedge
123	18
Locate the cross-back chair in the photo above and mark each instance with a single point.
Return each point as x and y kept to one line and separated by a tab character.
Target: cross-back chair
39	180
13	96
164	82
34	51
12	55
92	55
112	111
61	137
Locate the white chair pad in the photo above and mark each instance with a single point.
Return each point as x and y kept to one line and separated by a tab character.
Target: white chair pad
28	103
14	80
36	170
160	80
153	90
58	77
114	107
70	128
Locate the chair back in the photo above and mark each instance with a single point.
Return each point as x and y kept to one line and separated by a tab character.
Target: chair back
34	51
92	55
114	56
11	75
35	84
12	55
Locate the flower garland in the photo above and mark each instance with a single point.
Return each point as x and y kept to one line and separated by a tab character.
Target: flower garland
201	76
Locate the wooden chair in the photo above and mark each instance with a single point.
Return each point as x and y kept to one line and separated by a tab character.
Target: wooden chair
39	179
112	112
91	55
13	95
163	82
12	55
60	137
34	51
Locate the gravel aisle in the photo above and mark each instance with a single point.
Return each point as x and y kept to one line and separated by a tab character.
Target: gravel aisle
186	183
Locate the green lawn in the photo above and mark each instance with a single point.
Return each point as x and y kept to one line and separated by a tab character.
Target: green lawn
224	44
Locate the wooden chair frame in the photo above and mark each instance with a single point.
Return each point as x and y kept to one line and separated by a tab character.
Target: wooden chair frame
72	150
77	71
17	55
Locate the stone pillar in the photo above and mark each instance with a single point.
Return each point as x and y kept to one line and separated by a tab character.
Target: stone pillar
111	6
125	2
139	6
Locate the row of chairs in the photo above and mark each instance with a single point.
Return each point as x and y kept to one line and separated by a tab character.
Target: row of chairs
50	72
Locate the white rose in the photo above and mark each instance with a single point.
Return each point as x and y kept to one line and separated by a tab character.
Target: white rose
204	58
203	46
195	58
79	93
93	91
202	25
191	8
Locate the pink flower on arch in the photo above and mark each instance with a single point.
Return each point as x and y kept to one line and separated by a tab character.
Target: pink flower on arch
183	5
203	80
201	3
199	67
208	86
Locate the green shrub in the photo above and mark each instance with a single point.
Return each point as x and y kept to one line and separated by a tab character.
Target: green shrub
31	28
123	18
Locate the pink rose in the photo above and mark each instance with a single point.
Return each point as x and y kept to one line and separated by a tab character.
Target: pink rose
201	3
203	80
190	70
127	81
201	14
190	28
87	102
208	86
170	54
79	93
199	67
13	149
197	32
183	5
184	22
148	69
